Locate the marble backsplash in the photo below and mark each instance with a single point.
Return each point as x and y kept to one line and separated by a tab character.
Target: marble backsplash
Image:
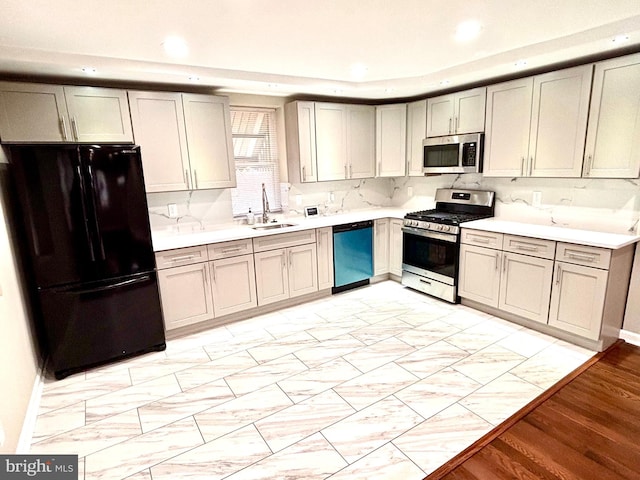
609	205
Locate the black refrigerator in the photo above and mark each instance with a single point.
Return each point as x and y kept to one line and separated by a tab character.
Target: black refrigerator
89	257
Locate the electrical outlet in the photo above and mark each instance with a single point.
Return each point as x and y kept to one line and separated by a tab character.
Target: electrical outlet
173	210
298	199
410	191
332	197
536	199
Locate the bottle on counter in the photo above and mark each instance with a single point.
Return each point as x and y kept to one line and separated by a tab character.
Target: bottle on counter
251	219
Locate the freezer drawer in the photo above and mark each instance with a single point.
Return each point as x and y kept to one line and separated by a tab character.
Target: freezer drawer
89	324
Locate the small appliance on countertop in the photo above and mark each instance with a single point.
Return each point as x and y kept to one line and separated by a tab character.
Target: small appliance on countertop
431	240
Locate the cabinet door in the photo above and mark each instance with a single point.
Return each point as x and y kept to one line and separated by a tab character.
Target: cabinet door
158	125
99	115
614	121
469	109
577	299
416	132
272	279
395	247
303	270
391	140
361	141
234	285
301	141
331	141
325	257
525	286
479	276
33	113
507	129
381	247
208	126
559	122
440	116
186	295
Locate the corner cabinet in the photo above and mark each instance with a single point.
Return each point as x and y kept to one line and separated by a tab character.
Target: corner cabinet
457	113
185	140
391	140
39	113
614	120
535	127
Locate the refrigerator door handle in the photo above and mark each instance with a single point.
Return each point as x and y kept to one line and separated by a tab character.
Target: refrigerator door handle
103	288
95	210
84	213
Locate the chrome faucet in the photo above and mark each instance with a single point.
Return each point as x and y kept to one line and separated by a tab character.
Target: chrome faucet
265	205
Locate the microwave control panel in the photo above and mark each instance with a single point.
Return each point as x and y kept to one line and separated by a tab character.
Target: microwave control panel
469	154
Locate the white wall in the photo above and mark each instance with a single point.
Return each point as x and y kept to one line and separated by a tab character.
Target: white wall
17	353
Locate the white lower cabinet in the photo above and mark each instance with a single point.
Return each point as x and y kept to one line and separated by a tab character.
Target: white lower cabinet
324	238
234	285
525	286
395	247
381	246
186	295
479	277
577	300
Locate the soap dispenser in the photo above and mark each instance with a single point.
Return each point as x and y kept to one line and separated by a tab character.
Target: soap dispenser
251	219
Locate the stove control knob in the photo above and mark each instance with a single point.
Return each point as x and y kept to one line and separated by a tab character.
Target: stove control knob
445	228
426	225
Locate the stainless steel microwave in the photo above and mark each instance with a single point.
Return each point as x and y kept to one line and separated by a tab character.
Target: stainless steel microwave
453	154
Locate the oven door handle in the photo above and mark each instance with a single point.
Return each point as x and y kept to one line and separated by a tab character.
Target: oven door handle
447	237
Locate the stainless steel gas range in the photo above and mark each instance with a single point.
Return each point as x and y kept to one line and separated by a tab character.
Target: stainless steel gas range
431	240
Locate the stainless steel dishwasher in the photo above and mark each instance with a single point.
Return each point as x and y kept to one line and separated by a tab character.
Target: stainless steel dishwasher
352	255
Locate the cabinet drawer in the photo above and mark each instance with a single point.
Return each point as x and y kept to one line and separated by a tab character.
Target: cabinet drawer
534	247
181	256
583	255
230	249
482	239
283	240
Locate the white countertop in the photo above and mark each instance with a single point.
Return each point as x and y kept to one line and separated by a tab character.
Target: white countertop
560	234
189	236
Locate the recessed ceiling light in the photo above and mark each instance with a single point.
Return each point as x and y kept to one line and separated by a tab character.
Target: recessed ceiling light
175	47
620	38
389	90
273	85
520	64
89	70
467	30
359	70
194	79
445	82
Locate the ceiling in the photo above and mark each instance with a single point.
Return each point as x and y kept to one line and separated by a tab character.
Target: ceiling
371	49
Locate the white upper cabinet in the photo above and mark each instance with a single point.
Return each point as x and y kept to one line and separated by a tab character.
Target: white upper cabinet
416	132
559	122
536	126
345	141
300	127
37	113
614	120
158	121
208	124
185	140
456	113
391	140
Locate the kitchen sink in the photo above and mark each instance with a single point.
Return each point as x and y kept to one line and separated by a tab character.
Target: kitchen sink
271	226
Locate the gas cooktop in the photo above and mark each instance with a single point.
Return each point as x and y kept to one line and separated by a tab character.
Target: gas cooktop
447	218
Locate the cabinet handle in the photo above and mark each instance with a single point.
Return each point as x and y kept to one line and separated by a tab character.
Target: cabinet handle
425	281
480	239
213	270
585	258
558	274
379	168
526	247
304	173
63	127
195	175
351	171
182	258
320	239
449	124
283	260
74	127
522	167
497	255
531	167
186	179
504	263
231	250
290	258
588	165
346	173
456	125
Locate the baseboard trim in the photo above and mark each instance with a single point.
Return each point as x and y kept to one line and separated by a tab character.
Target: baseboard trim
630	337
29	424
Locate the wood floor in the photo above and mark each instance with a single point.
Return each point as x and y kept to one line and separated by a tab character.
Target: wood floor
587	427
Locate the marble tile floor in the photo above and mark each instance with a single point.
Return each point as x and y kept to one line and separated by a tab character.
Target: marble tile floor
381	382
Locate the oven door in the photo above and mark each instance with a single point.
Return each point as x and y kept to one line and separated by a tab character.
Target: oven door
430	254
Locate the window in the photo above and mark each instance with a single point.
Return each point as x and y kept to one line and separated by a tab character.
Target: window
256	153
